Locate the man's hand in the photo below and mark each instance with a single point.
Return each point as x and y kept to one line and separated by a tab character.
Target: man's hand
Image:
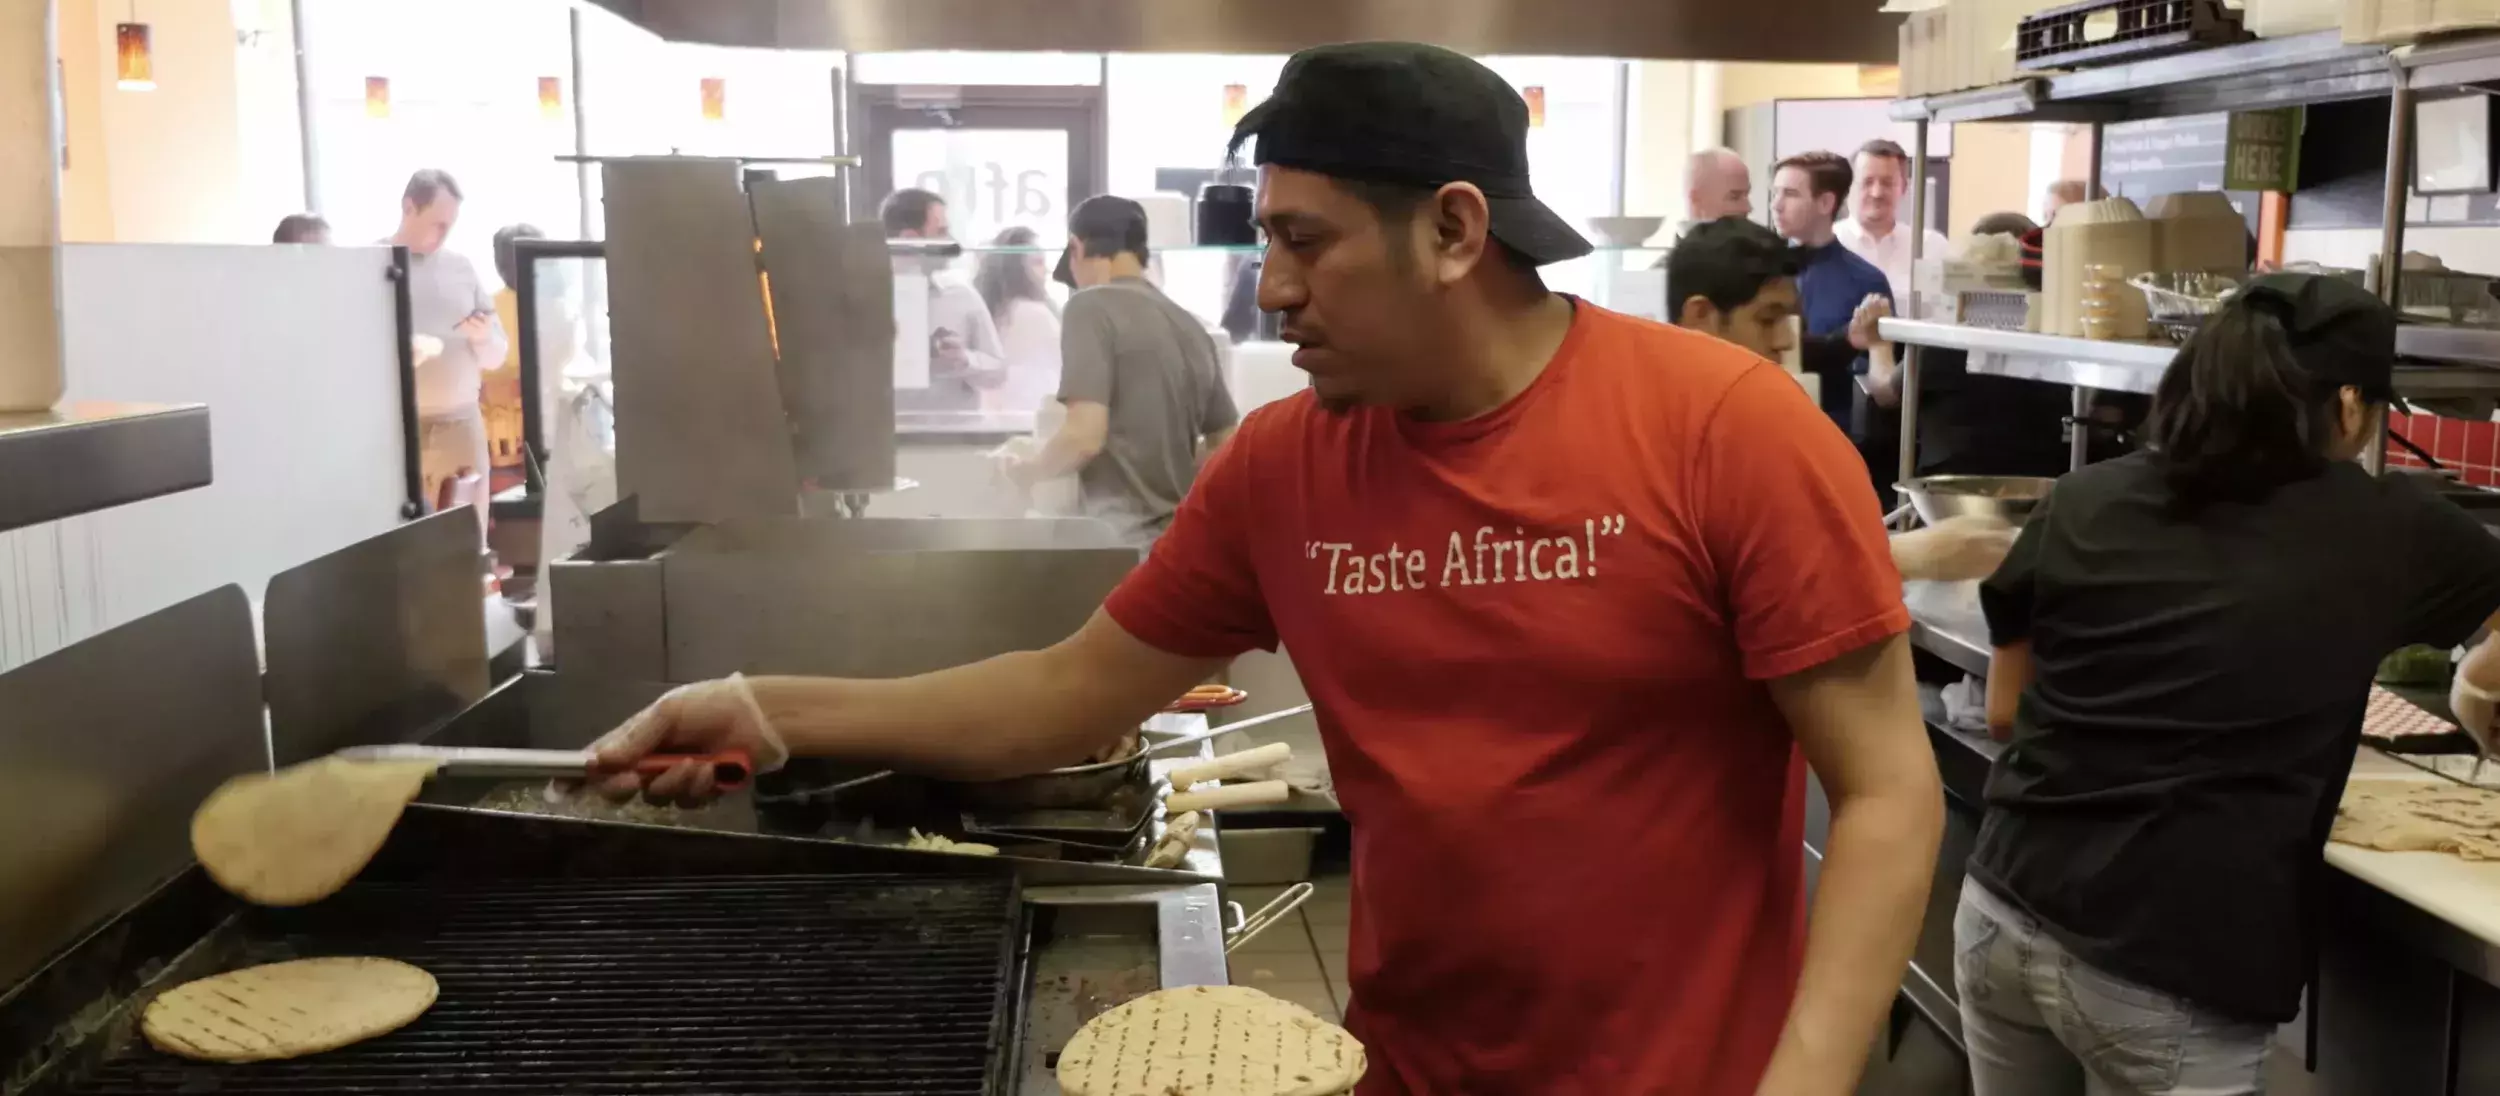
947	356
705	717
477	330
1959	549
1862	322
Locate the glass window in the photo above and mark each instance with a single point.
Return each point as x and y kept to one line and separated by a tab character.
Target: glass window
458	90
992	179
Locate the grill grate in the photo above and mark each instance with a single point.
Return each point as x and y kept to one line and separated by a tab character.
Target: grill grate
867	985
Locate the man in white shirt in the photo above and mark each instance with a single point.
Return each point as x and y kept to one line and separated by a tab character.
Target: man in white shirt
1875	231
965	356
452	321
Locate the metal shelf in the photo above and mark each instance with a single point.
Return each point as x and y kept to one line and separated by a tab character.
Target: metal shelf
1945	622
90	456
2111	366
2276	72
2055	359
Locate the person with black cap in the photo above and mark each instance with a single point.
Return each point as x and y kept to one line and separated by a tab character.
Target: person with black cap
1139	377
2185	640
1570	591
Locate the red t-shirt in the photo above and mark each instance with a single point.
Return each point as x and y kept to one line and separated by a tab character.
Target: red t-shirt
1537	640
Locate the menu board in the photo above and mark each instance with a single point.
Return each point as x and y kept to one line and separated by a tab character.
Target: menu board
2141	161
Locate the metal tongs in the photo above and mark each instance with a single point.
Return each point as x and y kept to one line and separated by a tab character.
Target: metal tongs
1252	925
731	769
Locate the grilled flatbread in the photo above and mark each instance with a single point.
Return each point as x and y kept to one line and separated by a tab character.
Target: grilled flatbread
2422	816
286	1010
1210	1041
300	835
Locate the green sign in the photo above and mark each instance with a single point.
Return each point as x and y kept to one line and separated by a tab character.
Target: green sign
2263	152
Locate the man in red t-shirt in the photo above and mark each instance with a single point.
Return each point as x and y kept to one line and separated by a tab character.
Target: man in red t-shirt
1568	589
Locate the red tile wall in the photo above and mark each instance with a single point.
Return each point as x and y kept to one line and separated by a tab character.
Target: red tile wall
2470	449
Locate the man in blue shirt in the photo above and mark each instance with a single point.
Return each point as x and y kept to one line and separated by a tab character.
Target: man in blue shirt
1832	283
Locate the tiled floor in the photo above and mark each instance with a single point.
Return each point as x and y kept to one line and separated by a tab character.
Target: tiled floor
1301	958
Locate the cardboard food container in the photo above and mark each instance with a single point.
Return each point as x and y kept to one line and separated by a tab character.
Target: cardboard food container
2389	22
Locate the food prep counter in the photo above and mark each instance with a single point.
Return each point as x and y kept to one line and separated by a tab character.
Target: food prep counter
2406	999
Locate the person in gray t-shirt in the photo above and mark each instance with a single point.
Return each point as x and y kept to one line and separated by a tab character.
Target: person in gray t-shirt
1146	400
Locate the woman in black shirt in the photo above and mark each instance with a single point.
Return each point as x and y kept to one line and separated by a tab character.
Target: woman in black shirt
2185	639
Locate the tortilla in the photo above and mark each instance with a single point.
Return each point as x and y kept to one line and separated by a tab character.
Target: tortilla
286	1010
2394	816
300	835
1210	1041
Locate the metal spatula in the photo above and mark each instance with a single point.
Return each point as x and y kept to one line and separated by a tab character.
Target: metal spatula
731	769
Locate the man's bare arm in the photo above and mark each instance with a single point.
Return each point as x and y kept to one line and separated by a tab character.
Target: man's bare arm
1857	719
1006	716
1079	440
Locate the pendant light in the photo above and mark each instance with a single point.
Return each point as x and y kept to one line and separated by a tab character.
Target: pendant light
134	63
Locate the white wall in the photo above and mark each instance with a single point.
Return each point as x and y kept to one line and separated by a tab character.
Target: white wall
293	350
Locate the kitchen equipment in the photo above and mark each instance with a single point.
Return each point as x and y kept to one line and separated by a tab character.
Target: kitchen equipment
602	957
1277	909
2006	498
2176	304
2403	21
2286	18
2199	232
1225	215
2102	303
1167	219
2105	32
731	769
1625	231
1264	793
2428	289
1073	785
2111	232
1195	702
1244	763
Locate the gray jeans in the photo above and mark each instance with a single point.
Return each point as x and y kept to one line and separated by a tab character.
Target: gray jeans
2040	1022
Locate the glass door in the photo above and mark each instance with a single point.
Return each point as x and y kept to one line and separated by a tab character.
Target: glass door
1002	157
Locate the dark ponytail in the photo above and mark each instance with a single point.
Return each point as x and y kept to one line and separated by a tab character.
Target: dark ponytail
2235	416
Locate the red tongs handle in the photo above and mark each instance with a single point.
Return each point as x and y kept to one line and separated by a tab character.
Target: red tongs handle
731	769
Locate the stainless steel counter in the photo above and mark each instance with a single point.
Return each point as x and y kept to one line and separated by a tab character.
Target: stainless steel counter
1945	621
960	427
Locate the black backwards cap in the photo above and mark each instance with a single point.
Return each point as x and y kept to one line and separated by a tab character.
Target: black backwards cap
1415	115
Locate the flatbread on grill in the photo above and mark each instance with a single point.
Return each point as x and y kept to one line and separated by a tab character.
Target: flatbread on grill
2420	816
300	835
286	1010
1210	1041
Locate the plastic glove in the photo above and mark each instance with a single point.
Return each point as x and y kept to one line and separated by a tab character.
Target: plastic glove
2474	710
1961	549
705	717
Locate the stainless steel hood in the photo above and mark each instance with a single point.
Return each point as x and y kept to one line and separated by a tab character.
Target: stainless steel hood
1770	30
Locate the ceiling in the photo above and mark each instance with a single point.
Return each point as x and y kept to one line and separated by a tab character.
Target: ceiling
1717	30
